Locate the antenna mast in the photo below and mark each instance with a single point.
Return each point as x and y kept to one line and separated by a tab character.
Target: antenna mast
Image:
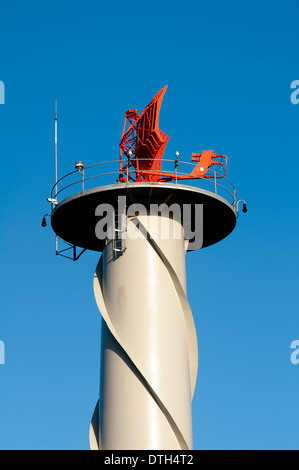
56	177
55	119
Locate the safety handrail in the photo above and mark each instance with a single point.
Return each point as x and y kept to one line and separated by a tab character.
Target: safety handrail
213	179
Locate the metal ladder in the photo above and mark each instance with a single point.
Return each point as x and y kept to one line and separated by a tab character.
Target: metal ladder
119	232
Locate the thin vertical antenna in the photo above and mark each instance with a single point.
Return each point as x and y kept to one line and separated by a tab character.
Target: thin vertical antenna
56	178
56	174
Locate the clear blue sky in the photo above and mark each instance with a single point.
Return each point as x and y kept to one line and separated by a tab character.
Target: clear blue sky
229	66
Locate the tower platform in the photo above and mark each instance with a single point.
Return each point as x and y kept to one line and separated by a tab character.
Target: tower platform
74	218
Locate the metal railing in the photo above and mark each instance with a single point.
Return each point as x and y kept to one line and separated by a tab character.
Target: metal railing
209	181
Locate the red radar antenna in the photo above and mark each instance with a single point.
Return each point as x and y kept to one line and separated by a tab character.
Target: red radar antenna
143	145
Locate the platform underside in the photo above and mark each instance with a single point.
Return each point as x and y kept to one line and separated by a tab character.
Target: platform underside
74	219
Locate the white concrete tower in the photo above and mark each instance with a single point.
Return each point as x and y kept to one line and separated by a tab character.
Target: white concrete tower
149	346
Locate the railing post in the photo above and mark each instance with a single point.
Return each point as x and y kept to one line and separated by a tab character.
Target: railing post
215	182
176	164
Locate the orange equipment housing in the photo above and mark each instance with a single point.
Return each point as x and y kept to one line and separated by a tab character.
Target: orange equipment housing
143	145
